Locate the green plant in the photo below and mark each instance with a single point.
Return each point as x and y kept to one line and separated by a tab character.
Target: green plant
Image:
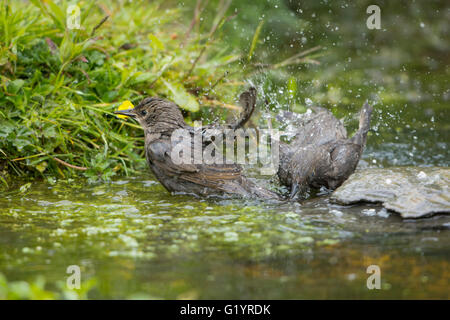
59	86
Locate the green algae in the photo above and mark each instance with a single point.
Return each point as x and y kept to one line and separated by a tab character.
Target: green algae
133	239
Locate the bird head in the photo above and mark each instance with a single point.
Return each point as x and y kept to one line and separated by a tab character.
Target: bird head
156	115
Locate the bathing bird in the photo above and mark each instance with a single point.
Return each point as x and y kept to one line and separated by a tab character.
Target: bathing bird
320	154
171	157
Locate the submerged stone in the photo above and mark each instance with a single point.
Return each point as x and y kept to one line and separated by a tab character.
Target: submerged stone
412	192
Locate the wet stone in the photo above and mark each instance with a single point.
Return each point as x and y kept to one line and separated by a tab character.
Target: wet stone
411	191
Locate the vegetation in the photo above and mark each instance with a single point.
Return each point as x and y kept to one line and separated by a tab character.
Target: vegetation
59	86
35	290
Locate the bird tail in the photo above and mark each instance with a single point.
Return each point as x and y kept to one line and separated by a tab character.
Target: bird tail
247	100
364	125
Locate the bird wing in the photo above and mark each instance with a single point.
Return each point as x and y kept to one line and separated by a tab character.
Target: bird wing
159	154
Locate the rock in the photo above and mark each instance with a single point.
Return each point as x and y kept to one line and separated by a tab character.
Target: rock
412	192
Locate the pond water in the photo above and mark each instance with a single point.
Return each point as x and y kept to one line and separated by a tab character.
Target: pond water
132	239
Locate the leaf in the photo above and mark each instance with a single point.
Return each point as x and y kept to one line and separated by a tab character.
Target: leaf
181	97
57	14
144	77
255	40
292	87
41	166
155	43
15	85
50	132
21	142
6	128
25	187
65	49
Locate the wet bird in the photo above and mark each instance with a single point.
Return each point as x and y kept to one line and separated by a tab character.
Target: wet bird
160	119
320	154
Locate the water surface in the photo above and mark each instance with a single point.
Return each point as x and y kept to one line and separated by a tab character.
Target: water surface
134	240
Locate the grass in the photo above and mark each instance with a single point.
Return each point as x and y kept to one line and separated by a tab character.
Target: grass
59	86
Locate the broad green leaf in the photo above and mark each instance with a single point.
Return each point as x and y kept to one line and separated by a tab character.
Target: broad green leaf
144	77
25	187
6	128
181	97
155	43
15	85
41	166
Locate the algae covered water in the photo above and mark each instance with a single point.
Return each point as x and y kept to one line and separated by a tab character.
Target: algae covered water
131	239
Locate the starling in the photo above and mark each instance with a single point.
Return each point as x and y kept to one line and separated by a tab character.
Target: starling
160	119
320	154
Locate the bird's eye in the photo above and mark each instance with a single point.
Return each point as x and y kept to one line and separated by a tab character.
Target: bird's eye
143	112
